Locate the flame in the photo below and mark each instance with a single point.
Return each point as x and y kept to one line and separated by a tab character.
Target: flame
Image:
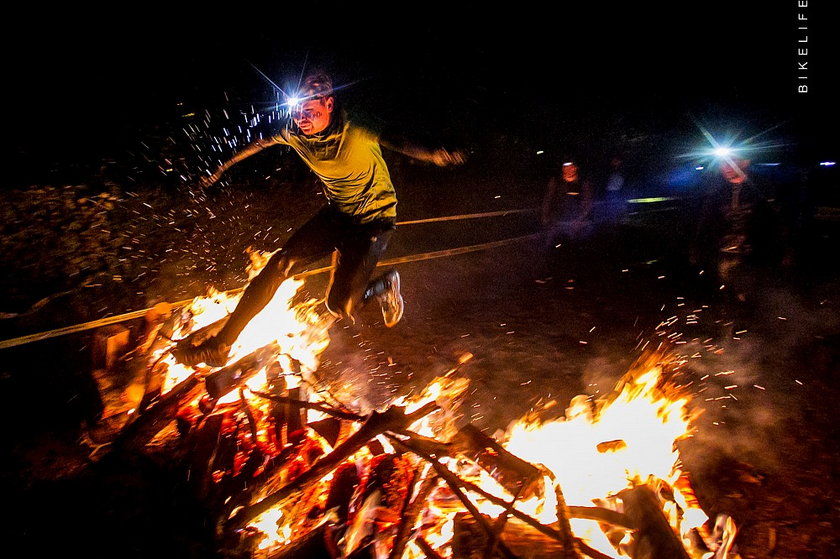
299	331
604	446
597	449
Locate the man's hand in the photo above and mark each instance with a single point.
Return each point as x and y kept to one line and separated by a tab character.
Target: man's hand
444	158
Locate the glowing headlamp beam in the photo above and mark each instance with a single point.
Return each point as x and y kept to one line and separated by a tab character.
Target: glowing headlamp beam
722	152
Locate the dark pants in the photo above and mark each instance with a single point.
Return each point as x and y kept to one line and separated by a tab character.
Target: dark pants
356	249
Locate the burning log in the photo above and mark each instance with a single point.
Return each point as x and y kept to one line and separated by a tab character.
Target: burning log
517	476
455	481
294	419
376	424
471	542
380	504
602	515
569	542
414	509
224	380
205	440
344	484
142	430
427	549
340	414
655	539
455	486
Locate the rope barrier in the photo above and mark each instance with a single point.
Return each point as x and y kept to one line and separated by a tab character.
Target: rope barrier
388	262
467	216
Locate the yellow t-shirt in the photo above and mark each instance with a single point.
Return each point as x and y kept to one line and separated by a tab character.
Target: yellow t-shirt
348	160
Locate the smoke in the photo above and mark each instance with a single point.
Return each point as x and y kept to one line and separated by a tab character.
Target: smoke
759	384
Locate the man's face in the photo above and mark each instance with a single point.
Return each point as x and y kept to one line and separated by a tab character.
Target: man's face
313	116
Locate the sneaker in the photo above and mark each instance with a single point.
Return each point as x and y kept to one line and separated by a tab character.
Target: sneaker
391	300
211	351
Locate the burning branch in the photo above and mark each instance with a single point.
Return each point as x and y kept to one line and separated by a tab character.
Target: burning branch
340	414
655	537
137	434
410	515
456	481
376	424
455	484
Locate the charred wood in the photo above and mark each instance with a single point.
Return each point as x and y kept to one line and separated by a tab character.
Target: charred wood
380	503
655	539
605	516
344	484
426	548
534	523
340	414
455	485
514	474
219	383
329	429
471	542
142	430
205	441
377	423
294	419
569	543
410	515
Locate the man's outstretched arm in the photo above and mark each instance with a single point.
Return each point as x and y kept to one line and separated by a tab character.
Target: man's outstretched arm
254	147
439	156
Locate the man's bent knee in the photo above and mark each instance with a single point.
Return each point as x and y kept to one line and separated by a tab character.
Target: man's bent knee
281	264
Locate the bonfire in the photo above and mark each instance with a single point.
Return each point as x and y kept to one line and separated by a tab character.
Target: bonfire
292	470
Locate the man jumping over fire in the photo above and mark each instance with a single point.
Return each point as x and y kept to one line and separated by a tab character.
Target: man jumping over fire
356	223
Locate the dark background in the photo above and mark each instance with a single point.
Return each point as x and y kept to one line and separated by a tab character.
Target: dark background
84	86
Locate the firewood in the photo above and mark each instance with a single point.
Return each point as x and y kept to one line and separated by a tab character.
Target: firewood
204	442
276	388
294	418
329	429
340	414
569	543
455	486
427	549
471	542
512	473
377	423
534	523
655	539
385	489
219	383
143	429
605	516
412	511
343	486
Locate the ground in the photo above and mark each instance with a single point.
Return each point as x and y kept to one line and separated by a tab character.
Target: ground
541	321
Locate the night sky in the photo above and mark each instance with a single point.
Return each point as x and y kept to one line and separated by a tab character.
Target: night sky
81	89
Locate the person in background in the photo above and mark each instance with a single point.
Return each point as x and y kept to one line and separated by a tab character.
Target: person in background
736	230
567	205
